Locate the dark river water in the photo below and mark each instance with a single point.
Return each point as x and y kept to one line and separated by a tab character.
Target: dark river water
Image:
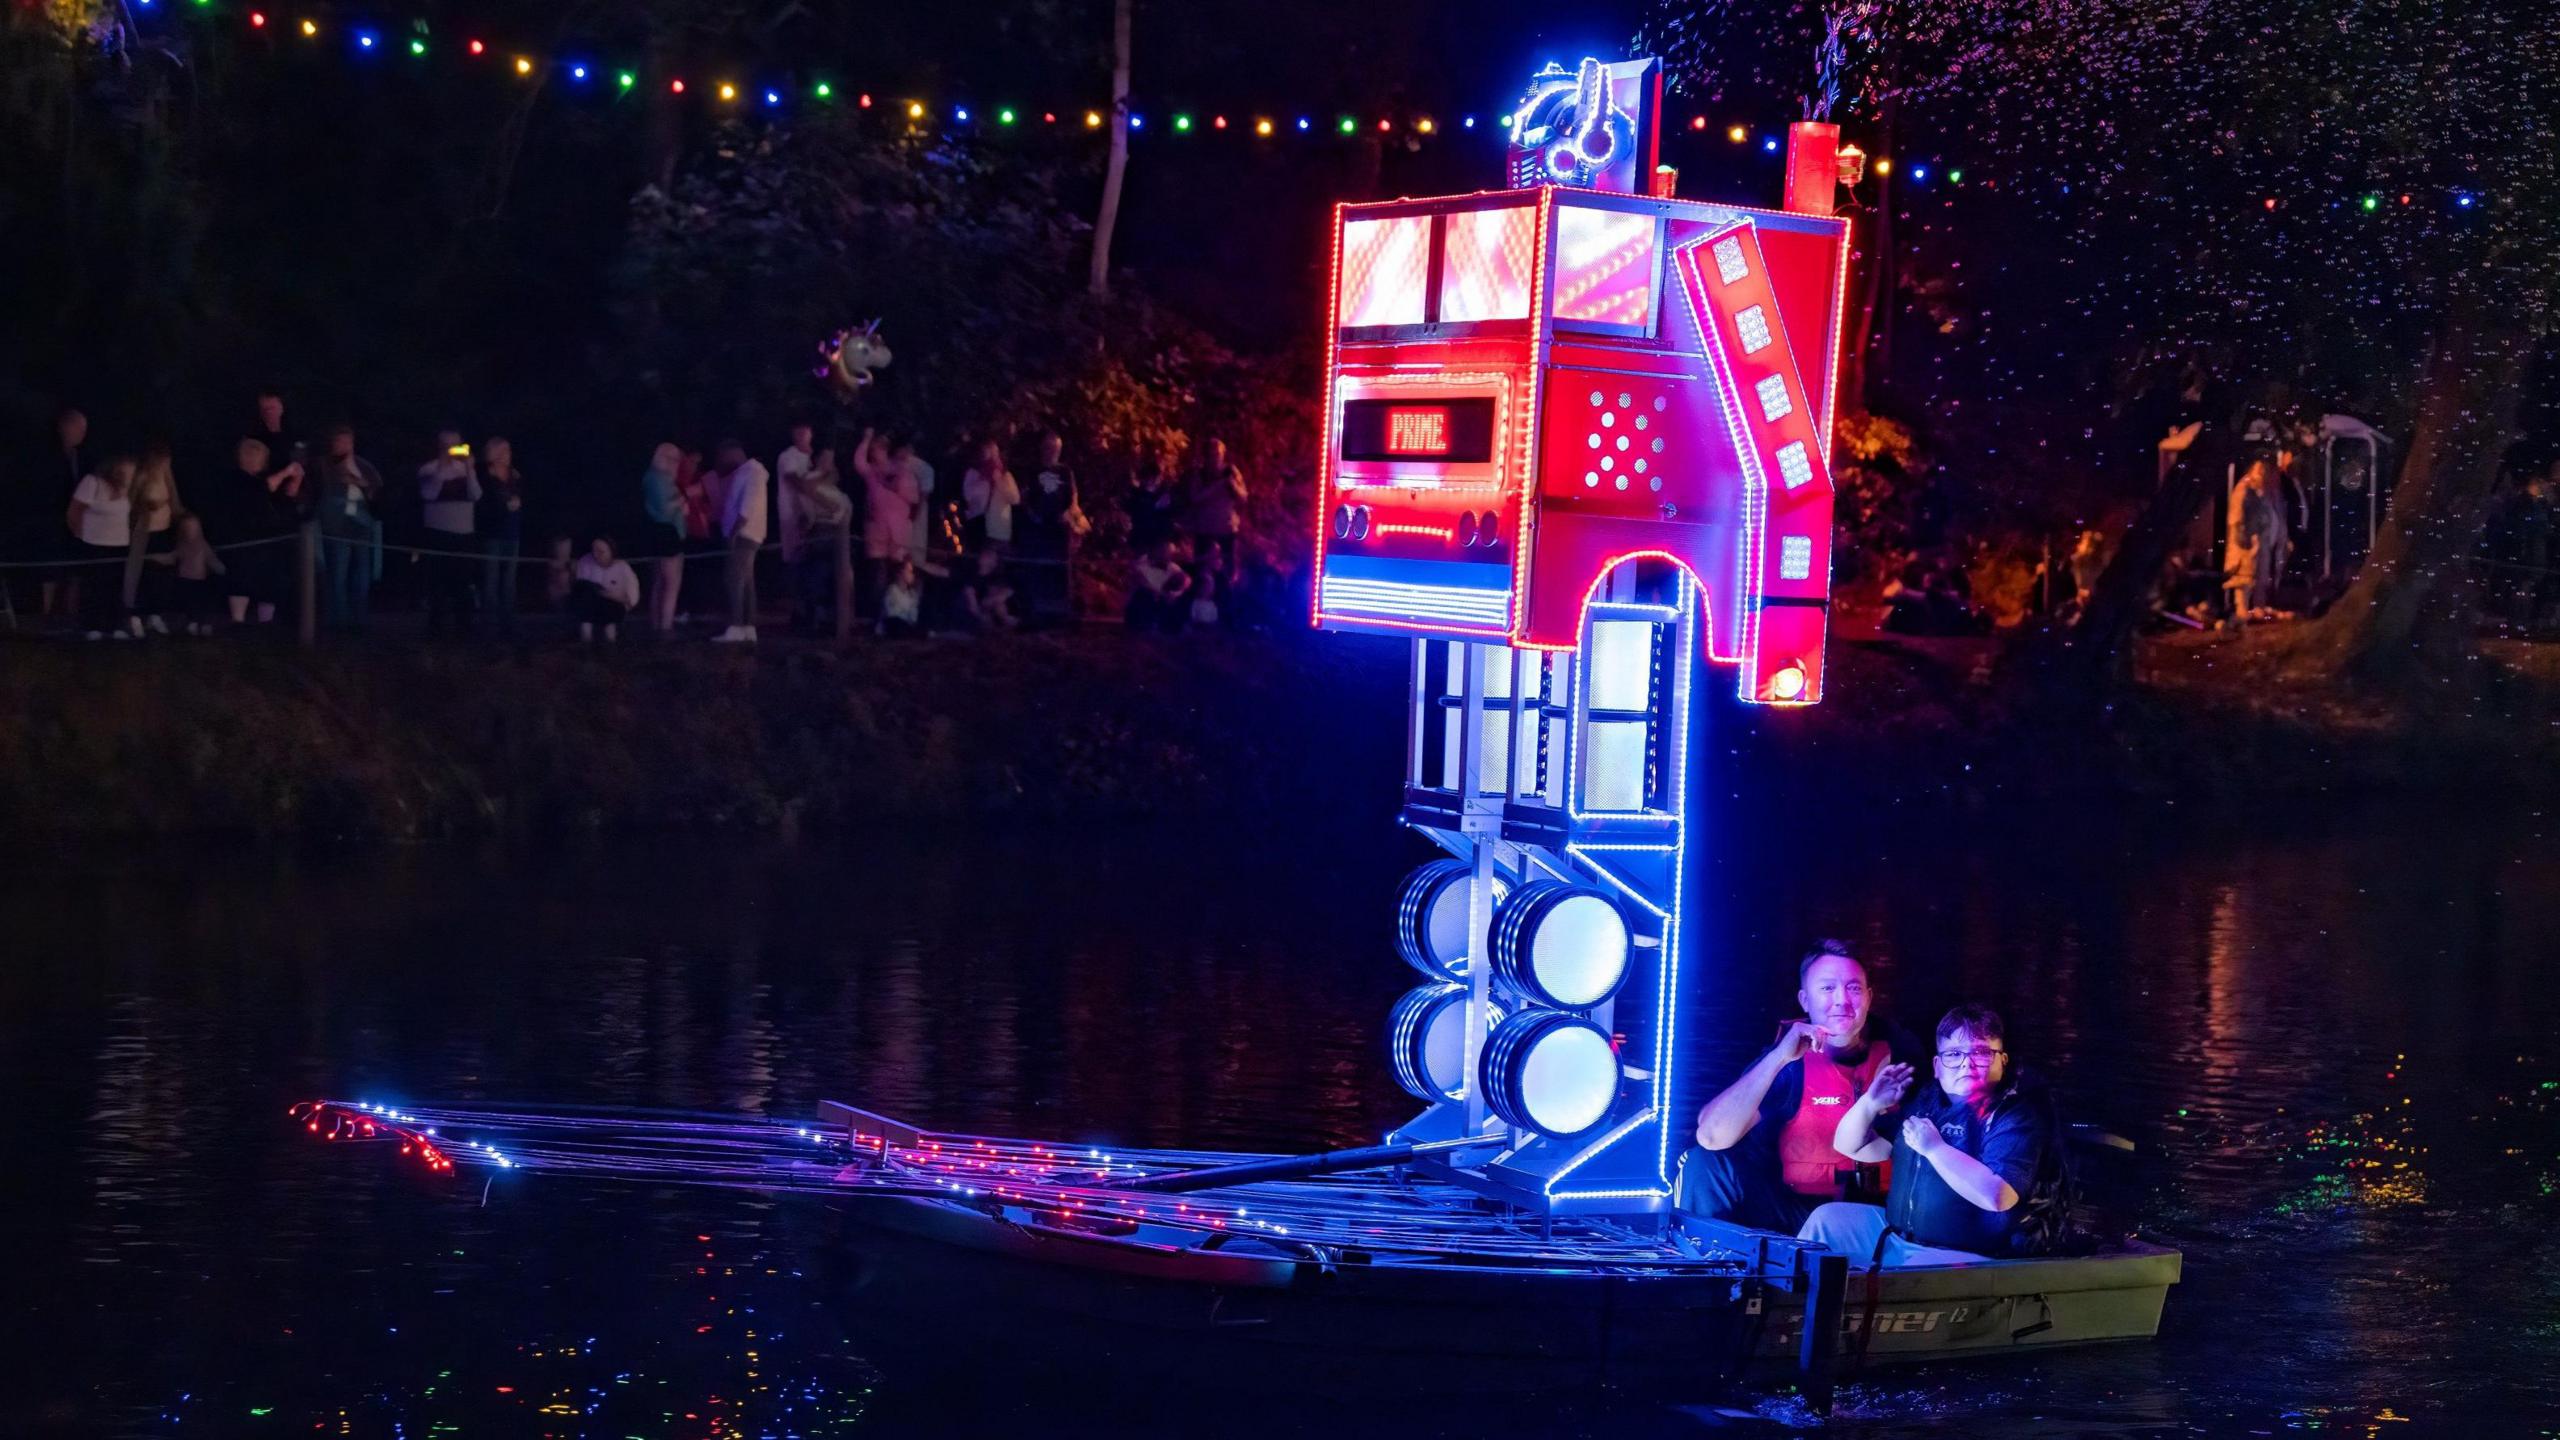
2333	1039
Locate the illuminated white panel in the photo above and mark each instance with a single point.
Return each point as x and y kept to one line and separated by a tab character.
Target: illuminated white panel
1486	264
1795	557
1621	665
1774	404
1730	266
1794	465
1613	763
1386	268
1753	322
1604	266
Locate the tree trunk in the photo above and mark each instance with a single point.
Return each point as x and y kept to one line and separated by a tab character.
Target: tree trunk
2096	653
1872	351
2413	609
1109	216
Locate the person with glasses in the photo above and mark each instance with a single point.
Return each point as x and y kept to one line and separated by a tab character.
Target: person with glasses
1765	1155
1977	1160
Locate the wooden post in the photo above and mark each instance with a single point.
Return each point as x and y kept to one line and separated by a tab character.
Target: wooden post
306	584
844	582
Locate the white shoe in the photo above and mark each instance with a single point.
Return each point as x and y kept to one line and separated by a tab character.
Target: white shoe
101	635
159	626
586	634
731	636
122	635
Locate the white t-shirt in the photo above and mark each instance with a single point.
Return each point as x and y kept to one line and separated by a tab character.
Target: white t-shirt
106	515
922	474
992	500
616	581
744	518
902	602
788	467
440	510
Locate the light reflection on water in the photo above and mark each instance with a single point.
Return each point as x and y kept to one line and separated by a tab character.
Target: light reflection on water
2334	1046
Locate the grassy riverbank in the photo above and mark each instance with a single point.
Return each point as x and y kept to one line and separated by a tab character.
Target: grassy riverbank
400	740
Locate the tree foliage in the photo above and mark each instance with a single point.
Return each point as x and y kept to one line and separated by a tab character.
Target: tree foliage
2309	198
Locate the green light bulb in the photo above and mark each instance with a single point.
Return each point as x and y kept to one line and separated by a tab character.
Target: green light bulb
1348	125
626	79
826	91
1005	116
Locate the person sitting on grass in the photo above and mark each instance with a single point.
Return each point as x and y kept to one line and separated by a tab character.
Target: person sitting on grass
902	600
602	590
193	595
1158	587
1977	1163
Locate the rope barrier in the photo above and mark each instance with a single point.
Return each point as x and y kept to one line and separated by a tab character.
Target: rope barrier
119	560
325	538
2484	560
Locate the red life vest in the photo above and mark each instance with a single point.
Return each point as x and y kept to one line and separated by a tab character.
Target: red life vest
1806	1160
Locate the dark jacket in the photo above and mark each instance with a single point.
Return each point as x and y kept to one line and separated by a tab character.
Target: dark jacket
2020	1139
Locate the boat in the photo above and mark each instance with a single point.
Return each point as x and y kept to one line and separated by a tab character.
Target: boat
1388	1277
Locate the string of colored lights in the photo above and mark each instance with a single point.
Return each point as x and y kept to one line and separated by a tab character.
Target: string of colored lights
1397	1218
588	72
364	40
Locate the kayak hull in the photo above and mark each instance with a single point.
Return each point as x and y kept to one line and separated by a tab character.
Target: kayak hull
957	1280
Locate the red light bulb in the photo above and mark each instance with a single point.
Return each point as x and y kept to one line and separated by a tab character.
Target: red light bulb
479	49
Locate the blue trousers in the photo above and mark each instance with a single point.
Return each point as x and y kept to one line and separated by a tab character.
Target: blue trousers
498	577
346	580
1740	1186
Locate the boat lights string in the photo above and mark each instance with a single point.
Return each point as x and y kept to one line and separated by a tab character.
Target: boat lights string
1391	1216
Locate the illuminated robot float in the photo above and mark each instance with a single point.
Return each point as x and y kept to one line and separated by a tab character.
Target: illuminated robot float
1576	453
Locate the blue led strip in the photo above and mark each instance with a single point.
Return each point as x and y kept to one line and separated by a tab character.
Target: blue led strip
1667	984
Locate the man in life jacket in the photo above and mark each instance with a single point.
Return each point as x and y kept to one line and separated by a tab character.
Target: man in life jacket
1764	1156
1977	1159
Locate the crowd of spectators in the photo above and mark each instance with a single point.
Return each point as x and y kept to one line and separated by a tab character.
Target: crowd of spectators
844	521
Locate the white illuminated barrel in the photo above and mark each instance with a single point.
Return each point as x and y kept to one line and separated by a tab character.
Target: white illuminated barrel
1431	918
1561	945
1551	1072
1427	1036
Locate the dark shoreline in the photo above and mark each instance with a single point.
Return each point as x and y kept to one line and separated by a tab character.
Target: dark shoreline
402	741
